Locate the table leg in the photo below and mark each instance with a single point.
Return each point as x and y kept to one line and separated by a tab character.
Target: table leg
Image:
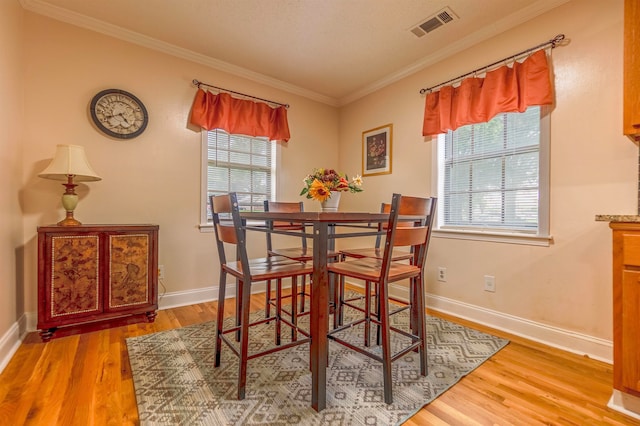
319	317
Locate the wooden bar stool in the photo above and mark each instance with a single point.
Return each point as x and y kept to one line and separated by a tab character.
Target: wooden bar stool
230	229
380	272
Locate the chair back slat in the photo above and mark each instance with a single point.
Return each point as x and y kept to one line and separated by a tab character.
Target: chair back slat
227	233
410	236
415	206
221	204
409	206
284	207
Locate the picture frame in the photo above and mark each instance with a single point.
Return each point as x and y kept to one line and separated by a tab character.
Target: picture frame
376	150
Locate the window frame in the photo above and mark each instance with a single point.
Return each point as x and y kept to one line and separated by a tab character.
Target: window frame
205	223
541	237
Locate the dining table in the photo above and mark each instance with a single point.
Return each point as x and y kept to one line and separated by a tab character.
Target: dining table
326	228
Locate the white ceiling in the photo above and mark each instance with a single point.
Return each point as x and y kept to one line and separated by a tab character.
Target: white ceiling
333	51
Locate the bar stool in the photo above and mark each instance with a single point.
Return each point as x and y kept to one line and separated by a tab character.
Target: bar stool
380	272
230	229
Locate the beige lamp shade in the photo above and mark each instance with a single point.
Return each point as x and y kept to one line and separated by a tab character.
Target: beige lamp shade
70	165
70	160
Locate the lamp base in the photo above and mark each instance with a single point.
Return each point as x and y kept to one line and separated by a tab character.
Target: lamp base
69	220
69	202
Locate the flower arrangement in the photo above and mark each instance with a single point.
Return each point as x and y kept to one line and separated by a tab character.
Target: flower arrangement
322	182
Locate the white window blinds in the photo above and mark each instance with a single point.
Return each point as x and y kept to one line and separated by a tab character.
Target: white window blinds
490	174
241	164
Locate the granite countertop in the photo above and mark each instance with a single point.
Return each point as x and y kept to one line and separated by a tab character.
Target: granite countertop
617	218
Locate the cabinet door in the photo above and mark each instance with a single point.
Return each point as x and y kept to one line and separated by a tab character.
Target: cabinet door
129	271
630	331
73	280
631	91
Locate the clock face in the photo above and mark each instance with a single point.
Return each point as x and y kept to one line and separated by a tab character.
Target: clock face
119	114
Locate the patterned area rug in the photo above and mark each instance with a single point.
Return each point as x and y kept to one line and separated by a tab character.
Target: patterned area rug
176	383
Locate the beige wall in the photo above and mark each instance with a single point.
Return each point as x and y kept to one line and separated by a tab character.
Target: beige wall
11	123
52	70
593	171
154	178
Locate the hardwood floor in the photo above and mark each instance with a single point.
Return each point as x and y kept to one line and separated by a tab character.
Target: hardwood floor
86	380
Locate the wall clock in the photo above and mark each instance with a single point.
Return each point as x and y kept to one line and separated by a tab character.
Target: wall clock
119	114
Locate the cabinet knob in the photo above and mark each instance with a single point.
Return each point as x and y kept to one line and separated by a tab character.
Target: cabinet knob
636	126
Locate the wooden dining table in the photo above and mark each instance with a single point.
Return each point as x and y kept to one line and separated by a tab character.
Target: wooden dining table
325	230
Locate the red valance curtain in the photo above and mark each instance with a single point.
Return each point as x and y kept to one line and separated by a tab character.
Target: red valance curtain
239	116
478	100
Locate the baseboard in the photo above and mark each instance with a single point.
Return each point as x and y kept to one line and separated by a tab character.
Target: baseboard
201	295
189	297
556	337
11	340
625	403
567	340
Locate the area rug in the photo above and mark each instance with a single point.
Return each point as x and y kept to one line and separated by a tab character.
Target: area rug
176	383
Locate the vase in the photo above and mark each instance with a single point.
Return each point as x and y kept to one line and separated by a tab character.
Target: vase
331	204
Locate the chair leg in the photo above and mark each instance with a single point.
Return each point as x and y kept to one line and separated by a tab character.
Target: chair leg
367	314
238	307
278	310
420	323
221	296
338	301
412	297
337	304
414	309
267	302
302	294
386	342
377	302
294	308
244	340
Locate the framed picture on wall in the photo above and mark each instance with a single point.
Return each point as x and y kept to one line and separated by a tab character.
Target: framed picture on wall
376	150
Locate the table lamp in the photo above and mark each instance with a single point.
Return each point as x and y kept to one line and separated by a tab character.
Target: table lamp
70	163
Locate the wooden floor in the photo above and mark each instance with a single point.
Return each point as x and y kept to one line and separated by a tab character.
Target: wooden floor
86	380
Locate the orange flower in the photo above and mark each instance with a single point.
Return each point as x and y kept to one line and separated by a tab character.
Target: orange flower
343	185
318	191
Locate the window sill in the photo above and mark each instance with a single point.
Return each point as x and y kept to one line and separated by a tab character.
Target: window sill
495	237
206	227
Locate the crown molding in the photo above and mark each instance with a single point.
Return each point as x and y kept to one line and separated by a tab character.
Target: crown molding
83	21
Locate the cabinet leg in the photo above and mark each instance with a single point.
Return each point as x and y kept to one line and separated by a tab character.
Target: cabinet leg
47	334
151	316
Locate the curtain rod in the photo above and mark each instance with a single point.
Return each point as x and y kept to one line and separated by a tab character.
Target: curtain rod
553	43
199	83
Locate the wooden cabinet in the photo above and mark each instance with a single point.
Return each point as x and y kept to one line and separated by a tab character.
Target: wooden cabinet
96	276
626	307
631	103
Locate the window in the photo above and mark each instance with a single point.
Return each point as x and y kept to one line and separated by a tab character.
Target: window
237	163
493	177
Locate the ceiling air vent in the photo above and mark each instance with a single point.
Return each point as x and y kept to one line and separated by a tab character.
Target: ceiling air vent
445	16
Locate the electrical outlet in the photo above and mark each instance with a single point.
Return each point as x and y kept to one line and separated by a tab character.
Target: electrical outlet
160	272
442	274
490	283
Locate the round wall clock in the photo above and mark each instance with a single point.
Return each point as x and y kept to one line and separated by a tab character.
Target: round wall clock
119	114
